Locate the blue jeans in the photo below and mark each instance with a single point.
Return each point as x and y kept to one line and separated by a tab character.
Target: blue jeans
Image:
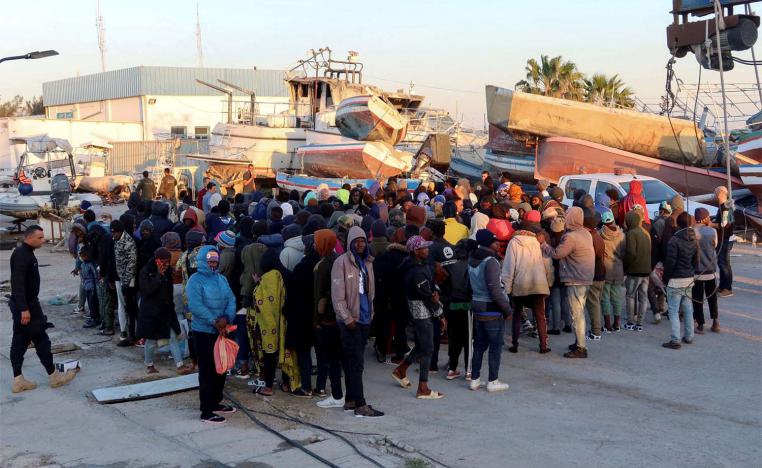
554	312
174	348
723	262
487	334
242	338
679	300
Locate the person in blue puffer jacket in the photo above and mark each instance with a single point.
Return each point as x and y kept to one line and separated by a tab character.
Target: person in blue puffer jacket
212	305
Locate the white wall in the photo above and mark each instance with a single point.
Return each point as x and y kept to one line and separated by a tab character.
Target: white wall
76	131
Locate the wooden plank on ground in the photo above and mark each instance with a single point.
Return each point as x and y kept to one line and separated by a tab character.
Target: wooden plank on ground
145	390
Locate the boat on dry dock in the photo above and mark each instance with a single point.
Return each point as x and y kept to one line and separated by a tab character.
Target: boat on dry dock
359	159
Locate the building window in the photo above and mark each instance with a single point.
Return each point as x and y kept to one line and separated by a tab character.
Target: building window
64	115
179	132
201	133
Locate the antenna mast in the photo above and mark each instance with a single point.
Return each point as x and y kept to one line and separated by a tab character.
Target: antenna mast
101	35
199	49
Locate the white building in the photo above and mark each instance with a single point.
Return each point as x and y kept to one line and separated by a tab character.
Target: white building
167	101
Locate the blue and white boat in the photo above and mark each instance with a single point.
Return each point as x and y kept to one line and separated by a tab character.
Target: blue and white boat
303	182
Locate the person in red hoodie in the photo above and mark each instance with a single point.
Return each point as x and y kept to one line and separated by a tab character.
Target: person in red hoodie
501	227
635	197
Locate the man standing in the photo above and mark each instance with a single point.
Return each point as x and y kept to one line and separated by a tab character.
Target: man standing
201	193
29	322
577	263
126	257
637	267
146	188
705	280
168	186
352	291
724	226
211	197
249	186
680	265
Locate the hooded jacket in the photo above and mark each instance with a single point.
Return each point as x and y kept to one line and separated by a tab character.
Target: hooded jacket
300	332
209	296
489	298
126	256
160	219
156	314
682	257
292	253
323	312
345	284
575	251
614	248
454	231
524	270
707	244
635	197
251	260
637	258
479	220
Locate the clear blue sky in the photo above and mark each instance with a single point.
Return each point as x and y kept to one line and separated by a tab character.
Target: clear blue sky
461	45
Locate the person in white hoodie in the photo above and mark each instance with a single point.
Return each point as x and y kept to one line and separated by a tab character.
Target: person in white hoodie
526	279
293	246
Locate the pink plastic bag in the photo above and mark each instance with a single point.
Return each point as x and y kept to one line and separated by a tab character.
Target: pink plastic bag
225	352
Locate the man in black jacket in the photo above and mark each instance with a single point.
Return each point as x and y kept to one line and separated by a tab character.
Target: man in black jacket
424	305
680	264
29	322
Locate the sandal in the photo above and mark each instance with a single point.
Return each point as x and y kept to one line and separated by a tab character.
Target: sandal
432	395
264	391
404	381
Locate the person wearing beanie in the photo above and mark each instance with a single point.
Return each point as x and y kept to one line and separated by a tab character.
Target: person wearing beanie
314	223
542	187
577	265
416	216
706	282
614	248
490	307
594	292
125	255
425	306
225	242
679	270
379	242
352	292
293	247
454	229
526	278
557	195
637	267
156	317
558	308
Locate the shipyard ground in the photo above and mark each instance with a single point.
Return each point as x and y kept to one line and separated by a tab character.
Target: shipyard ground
632	403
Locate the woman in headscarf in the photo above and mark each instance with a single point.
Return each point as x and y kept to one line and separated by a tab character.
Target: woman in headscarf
479	221
267	311
515	193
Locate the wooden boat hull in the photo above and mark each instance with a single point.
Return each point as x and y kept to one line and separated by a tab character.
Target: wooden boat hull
370	118
268	149
302	182
520	167
357	160
559	156
635	132
751	175
751	148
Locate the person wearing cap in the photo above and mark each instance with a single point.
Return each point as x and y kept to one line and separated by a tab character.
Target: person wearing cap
213	306
156	318
126	256
705	283
146	188
424	305
526	278
593	299
723	222
577	264
614	248
680	265
490	307
352	293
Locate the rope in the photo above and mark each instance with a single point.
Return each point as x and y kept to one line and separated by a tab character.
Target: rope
754	59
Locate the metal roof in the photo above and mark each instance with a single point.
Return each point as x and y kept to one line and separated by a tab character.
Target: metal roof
165	81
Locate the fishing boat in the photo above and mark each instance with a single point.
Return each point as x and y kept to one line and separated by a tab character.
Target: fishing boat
751	146
358	159
559	156
520	167
634	132
303	182
370	118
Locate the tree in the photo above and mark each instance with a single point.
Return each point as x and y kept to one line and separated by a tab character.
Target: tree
608	91
34	107
552	77
12	107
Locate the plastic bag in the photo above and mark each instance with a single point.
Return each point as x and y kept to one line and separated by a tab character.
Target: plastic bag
225	352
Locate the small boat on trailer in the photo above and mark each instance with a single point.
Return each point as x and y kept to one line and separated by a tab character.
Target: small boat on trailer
302	182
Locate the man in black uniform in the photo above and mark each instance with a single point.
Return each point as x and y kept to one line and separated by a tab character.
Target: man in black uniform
29	323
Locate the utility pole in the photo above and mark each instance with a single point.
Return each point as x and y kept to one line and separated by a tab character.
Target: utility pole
101	35
199	49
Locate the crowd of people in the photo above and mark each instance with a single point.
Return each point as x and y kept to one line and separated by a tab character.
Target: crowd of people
447	262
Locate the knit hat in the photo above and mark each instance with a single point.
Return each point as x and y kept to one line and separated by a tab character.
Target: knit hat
170	240
556	194
416	215
194	239
532	216
345	222
292	230
524	206
484	237
85	205
343	195
378	229
225	239
417	243
288	210
162	254
558	224
146	224
607	217
117	226
513	214
591	219
701	214
325	241
665	207
439	199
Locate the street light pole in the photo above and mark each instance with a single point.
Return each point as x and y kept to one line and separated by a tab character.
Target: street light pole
31	55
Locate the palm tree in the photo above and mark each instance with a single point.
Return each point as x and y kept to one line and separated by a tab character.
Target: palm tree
608	91
552	77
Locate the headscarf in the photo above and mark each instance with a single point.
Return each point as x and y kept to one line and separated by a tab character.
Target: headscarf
479	221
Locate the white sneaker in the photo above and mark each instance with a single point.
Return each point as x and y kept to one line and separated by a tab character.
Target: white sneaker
497	386
331	402
474	384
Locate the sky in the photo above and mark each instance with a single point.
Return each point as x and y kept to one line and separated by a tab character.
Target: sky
450	49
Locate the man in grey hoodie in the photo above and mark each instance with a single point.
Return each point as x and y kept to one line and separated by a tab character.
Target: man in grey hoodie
577	264
706	273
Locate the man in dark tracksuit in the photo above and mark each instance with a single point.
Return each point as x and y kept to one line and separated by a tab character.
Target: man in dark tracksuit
29	322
